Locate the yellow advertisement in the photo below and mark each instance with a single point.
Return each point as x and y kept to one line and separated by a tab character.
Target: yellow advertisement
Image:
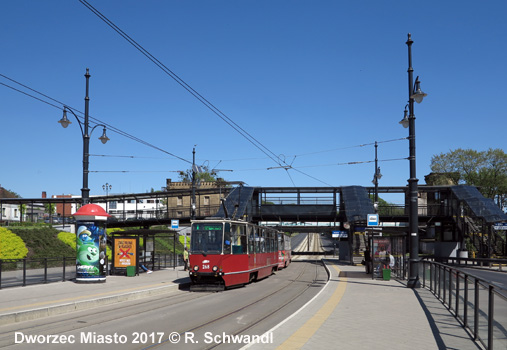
125	252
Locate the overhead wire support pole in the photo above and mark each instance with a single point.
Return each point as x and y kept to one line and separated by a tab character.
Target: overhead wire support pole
417	95
193	185
85	191
85	133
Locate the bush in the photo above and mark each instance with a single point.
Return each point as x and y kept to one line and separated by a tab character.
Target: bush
68	238
43	242
11	245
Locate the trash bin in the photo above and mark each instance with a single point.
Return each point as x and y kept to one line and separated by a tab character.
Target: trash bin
386	273
131	271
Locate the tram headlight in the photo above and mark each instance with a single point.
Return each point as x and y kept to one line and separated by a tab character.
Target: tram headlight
215	268
196	268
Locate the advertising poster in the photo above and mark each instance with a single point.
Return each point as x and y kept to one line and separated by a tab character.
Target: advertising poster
91	251
125	253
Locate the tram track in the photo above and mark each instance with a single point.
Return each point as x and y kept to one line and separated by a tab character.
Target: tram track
249	305
115	313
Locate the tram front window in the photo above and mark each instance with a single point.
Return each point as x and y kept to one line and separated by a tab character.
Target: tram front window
206	238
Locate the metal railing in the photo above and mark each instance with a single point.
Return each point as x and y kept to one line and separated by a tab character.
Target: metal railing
161	261
22	272
479	305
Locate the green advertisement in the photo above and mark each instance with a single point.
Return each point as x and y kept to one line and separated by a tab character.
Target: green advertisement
91	251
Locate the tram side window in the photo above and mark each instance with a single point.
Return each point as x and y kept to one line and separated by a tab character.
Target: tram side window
251	240
227	239
257	239
238	236
271	242
262	241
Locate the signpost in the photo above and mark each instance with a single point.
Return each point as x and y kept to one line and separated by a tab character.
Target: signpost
373	220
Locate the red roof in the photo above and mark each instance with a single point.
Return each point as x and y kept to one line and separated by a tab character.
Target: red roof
91	210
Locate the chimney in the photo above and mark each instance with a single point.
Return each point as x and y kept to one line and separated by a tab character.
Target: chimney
43	194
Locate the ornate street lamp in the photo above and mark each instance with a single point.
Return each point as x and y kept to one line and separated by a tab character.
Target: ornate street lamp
84	126
415	94
376	176
107	187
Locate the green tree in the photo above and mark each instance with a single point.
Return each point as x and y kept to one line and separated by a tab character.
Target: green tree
50	208
485	169
22	211
205	175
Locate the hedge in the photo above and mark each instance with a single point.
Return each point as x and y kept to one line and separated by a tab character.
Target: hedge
11	245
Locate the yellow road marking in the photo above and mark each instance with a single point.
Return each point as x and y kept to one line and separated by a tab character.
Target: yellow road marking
299	338
90	296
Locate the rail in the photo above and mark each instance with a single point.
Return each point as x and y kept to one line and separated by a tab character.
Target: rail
22	272
479	305
480	262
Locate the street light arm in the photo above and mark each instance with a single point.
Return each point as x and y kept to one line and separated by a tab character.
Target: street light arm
104	137
65	121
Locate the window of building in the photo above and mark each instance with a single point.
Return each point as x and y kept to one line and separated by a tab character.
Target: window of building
113	205
179	200
206	200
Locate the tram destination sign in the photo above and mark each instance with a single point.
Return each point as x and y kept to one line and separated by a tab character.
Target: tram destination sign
500	226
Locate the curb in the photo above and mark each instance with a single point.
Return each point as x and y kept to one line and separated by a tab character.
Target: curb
33	314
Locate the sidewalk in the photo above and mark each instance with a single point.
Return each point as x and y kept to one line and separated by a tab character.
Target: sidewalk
356	312
351	312
41	300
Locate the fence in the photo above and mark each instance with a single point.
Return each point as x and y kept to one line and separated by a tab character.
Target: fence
160	261
479	305
22	272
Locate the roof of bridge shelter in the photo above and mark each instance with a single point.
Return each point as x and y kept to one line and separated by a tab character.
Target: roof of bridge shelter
356	203
481	206
236	203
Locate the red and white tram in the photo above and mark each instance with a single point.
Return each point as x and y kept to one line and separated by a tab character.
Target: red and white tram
225	253
284	250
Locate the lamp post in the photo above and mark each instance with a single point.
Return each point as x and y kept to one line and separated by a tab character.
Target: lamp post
84	126
193	185
107	187
376	177
414	94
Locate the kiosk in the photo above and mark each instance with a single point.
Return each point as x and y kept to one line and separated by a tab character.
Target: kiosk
91	243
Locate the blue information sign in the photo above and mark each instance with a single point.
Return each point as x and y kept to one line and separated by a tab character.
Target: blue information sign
373	220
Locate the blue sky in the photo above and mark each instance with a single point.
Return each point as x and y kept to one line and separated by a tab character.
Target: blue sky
311	80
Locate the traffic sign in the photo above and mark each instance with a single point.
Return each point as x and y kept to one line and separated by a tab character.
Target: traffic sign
175	223
373	220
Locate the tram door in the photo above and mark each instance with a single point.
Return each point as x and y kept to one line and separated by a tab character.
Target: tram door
252	243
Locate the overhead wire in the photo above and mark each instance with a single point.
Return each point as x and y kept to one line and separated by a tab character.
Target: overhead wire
94	120
183	84
188	88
